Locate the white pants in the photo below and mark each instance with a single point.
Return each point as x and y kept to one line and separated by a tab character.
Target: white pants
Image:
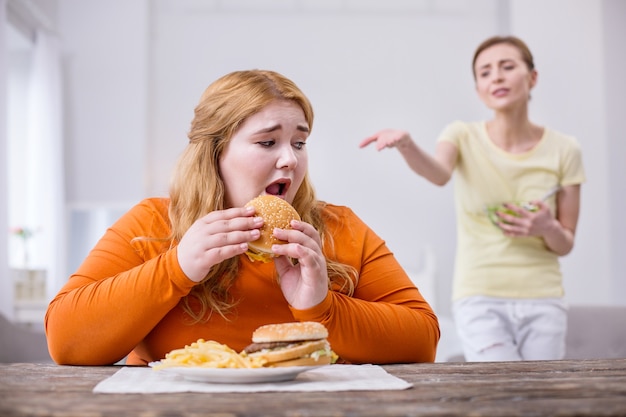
496	329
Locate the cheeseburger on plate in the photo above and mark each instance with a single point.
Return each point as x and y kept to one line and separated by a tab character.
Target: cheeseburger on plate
276	213
291	344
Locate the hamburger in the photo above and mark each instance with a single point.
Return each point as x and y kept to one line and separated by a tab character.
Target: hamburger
276	213
291	344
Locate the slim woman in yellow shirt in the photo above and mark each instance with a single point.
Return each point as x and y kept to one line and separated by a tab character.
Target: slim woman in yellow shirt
507	287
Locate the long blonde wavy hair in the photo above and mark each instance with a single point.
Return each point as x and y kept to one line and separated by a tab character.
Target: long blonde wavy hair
197	188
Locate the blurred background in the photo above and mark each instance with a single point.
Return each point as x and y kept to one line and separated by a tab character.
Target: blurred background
100	95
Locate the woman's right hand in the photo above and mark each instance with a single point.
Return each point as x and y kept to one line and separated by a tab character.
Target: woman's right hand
387	138
437	169
215	237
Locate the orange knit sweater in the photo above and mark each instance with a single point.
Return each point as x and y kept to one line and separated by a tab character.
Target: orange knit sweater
124	300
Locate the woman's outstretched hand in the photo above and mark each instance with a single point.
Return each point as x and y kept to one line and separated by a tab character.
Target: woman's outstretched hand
387	138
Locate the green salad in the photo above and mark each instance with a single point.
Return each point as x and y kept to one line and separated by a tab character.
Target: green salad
495	219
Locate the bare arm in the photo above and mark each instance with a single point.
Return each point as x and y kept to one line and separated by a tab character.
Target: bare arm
436	169
560	238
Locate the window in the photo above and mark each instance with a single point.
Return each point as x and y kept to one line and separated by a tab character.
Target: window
36	200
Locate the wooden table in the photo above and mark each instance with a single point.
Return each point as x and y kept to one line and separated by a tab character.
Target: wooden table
550	388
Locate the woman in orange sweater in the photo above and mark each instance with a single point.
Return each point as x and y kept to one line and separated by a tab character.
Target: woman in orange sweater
174	270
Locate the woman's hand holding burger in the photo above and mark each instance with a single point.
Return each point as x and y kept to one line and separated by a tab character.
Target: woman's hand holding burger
266	229
215	237
284	237
304	284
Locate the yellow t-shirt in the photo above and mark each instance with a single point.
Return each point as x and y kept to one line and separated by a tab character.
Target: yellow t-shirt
487	262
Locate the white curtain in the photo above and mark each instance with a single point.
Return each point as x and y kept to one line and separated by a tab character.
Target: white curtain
6	288
45	187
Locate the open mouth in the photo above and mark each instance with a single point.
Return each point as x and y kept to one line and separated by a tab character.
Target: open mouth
278	188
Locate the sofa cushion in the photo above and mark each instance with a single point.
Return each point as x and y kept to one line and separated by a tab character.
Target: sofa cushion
595	332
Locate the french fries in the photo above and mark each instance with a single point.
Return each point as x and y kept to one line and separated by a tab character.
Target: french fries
207	354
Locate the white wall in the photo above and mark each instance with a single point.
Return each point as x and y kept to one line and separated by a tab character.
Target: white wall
105	47
615	105
135	70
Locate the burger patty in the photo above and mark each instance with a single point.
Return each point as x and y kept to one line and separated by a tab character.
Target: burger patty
256	347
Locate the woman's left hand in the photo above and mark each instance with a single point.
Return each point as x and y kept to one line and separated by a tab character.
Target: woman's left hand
526	222
304	284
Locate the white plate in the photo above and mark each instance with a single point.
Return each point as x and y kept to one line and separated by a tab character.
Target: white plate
238	375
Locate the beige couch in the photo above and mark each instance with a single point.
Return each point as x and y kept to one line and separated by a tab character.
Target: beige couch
21	344
596	332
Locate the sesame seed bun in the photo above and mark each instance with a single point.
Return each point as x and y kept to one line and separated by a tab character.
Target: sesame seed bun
289	332
291	344
276	213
